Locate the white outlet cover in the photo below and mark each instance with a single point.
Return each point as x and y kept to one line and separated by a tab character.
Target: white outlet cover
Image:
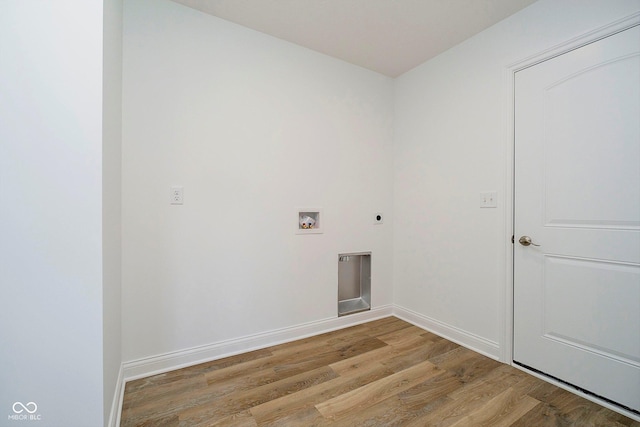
488	199
176	196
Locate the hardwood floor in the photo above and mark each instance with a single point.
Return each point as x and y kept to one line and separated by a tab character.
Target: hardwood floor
383	373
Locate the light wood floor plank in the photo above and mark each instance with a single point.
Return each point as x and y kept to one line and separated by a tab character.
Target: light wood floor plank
282	408
500	411
384	326
400	336
397	410
246	399
377	391
240	419
354	364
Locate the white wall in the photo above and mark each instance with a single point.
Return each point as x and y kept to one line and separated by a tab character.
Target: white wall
252	127
111	203
50	210
451	143
233	115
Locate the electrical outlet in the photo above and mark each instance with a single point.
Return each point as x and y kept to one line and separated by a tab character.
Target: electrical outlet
489	199
176	195
378	218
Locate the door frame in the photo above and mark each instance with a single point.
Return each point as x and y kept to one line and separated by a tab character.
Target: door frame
506	315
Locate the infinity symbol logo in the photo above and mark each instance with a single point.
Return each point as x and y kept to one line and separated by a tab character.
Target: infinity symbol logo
30	407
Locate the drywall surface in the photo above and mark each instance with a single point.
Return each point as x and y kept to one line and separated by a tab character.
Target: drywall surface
51	213
252	128
451	143
111	201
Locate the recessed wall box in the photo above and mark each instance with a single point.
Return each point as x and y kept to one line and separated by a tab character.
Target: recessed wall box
354	283
309	221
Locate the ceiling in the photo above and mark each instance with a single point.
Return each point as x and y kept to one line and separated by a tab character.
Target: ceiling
386	36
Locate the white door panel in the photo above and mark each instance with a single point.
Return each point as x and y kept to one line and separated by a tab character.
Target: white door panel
616	305
577	195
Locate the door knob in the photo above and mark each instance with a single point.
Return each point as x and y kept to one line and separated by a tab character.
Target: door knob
526	241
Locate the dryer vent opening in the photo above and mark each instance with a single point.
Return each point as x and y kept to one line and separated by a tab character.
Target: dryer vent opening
354	283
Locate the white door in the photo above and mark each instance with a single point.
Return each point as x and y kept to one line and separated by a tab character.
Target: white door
577	196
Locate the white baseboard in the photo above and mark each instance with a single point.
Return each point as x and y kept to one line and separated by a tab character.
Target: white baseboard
116	404
179	359
466	339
